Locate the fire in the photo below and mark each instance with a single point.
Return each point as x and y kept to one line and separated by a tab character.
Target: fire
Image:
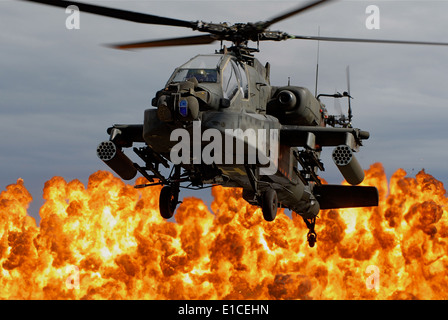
108	241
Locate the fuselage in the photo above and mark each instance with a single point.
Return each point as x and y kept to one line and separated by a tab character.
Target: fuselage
226	94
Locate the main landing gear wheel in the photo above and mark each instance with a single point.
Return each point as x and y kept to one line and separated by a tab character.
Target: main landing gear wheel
168	201
312	238
269	204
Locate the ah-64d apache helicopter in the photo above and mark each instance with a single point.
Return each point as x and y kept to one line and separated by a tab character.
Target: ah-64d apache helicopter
229	94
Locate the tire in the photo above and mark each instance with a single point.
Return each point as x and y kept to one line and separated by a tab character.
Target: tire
167	202
269	205
312	238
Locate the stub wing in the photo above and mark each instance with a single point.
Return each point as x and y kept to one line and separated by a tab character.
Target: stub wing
346	140
126	134
299	136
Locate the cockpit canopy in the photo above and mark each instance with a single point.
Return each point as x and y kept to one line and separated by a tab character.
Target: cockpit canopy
216	68
202	75
203	67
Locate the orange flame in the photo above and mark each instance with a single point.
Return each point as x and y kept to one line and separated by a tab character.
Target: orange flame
108	241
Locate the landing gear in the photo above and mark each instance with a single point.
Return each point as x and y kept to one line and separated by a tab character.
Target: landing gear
168	201
311	236
267	200
269	204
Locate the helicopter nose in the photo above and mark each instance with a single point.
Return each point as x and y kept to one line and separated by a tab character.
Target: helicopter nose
186	107
189	108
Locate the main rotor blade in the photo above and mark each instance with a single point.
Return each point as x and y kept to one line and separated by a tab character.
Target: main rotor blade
183	41
267	24
337	39
119	14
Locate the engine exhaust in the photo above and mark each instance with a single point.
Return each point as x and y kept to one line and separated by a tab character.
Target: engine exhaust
108	152
348	165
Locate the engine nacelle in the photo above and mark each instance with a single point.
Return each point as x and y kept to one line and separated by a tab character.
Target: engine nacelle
295	106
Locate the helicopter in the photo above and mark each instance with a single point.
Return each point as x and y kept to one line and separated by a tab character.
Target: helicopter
232	127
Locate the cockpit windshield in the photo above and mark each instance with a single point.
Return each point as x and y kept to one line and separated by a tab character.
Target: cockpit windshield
202	75
204	68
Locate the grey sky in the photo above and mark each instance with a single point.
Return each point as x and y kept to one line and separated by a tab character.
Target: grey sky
60	89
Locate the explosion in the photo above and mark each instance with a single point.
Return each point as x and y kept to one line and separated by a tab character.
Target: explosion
108	241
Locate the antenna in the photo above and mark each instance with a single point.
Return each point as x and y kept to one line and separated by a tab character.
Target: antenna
317	62
347	94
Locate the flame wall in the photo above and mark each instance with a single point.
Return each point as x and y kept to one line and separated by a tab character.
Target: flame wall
107	241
